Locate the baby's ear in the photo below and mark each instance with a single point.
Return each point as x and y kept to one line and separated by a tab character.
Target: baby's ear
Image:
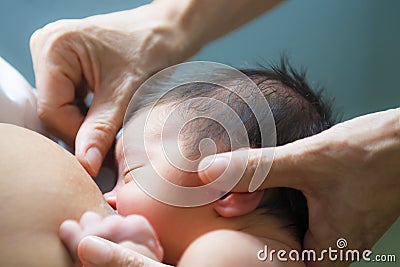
237	204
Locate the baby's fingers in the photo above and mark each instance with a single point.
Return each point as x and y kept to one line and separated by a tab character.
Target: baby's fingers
70	234
90	219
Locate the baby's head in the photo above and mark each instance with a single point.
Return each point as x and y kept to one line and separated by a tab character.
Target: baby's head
298	112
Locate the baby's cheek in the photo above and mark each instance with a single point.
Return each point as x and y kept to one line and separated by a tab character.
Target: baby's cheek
130	200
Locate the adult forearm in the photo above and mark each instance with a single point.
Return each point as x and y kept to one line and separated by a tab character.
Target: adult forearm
185	26
203	21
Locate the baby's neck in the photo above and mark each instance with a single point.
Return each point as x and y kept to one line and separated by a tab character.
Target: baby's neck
266	226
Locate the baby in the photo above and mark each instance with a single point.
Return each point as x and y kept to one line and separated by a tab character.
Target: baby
227	232
231	230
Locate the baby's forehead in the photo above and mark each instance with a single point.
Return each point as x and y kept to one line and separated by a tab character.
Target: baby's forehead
149	122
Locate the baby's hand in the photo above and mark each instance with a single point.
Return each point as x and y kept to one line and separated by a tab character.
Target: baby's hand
116	228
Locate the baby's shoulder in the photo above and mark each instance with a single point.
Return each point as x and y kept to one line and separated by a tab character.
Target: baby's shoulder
231	248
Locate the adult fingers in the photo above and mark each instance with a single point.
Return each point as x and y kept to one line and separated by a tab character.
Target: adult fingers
261	168
97	132
95	136
57	75
97	252
301	164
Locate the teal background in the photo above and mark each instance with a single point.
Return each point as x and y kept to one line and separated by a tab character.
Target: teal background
349	47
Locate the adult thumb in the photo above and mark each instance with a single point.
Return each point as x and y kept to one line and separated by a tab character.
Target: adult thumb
256	169
97	134
98	252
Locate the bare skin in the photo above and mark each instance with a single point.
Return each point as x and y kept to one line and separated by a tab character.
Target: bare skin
43	186
186	234
346	173
69	54
112	54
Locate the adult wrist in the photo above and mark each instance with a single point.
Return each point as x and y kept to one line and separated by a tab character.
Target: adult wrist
182	24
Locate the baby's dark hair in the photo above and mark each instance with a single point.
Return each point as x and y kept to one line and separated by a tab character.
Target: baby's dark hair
298	112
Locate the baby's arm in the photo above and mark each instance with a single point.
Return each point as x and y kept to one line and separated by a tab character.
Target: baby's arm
224	248
133	230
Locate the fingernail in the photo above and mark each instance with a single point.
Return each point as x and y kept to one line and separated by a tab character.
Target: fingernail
96	250
214	167
94	159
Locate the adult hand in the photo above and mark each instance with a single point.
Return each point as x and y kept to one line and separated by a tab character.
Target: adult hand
349	174
98	252
111	55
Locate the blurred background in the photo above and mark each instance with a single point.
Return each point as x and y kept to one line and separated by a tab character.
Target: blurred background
352	48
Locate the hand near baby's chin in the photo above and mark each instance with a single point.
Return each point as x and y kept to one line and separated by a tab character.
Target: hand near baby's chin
134	231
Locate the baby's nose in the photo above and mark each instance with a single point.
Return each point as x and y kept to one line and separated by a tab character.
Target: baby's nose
111	197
